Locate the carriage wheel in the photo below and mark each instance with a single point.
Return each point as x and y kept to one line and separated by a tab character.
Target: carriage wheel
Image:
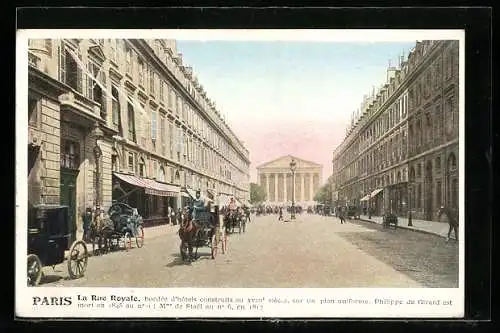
139	240
214	245
127	240
77	259
34	270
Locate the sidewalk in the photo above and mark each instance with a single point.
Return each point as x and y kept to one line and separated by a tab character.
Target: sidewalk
149	232
428	227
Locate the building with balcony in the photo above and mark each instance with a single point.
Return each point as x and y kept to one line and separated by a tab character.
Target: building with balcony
400	152
125	120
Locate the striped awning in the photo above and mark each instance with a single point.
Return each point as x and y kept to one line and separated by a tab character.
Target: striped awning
377	191
365	198
192	194
150	186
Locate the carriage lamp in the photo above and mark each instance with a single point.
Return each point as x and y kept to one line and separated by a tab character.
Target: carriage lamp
293	167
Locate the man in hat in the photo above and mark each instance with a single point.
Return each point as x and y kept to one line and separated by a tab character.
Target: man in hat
198	205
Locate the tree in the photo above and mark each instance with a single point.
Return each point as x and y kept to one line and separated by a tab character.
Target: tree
257	193
324	194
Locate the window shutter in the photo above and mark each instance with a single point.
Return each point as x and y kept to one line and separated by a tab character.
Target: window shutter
61	50
79	77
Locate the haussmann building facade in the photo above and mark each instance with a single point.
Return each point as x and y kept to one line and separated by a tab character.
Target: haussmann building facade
125	120
401	150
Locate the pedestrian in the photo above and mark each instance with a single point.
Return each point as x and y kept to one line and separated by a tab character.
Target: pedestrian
172	216
280	218
87	219
341	215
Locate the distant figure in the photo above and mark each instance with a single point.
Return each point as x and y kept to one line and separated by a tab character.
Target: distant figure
280	218
87	219
341	215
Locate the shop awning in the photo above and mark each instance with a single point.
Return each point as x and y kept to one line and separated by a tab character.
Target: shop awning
375	192
225	199
365	198
150	186
192	194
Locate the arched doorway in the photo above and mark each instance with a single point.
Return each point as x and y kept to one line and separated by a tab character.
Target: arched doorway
428	191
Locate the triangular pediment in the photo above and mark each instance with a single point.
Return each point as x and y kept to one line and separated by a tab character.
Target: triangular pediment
284	162
97	51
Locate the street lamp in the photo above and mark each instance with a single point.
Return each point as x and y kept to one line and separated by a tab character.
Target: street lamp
293	167
98	134
410	197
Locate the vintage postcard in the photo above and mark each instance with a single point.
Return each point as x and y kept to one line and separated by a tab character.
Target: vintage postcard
240	173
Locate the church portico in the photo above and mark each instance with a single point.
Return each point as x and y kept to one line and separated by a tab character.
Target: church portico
276	177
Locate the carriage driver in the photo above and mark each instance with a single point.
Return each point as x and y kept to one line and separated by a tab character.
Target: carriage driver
198	205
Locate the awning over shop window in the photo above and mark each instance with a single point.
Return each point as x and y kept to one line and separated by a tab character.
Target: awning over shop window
377	191
192	194
150	186
225	199
365	198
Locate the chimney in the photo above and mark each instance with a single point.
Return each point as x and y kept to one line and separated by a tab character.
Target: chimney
189	71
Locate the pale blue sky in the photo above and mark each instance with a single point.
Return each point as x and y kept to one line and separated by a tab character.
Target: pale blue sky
275	88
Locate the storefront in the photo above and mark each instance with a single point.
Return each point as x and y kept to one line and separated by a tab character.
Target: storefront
151	198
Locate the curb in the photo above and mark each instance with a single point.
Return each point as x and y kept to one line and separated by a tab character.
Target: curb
409	228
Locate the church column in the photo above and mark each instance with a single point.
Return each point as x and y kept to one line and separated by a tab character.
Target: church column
275	187
302	187
284	188
311	194
268	192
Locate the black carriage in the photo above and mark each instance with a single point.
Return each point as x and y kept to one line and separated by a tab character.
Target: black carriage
390	220
353	212
210	234
48	240
127	224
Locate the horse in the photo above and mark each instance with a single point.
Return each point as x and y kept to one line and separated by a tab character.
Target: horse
100	229
452	216
188	231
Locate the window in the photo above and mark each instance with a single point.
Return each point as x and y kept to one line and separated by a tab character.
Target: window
94	91
163	135
419	196
428	83
70	154
128	60
428	130
142	168
48	46
179	106
153	125
171	100
162	94
113	50
131	123
418	93
69	71
141	72
115	107
438	164
450	114
152	81
161	175
437	74
419	170
33	110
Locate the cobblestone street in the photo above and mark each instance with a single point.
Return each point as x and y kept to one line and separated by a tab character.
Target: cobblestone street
311	251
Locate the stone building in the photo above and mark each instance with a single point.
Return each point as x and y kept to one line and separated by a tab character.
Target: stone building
400	153
114	119
276	177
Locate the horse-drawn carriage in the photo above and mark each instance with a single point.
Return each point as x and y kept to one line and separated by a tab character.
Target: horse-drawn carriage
48	240
204	230
235	218
118	228
353	212
390	219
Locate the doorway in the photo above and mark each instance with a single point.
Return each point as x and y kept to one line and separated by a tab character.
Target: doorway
68	198
428	192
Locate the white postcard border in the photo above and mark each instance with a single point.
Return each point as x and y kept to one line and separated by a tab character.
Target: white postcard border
27	303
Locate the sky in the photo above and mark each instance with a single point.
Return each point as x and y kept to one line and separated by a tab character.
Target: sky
290	97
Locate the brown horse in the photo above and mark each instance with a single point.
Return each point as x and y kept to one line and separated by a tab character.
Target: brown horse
187	233
100	229
452	216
